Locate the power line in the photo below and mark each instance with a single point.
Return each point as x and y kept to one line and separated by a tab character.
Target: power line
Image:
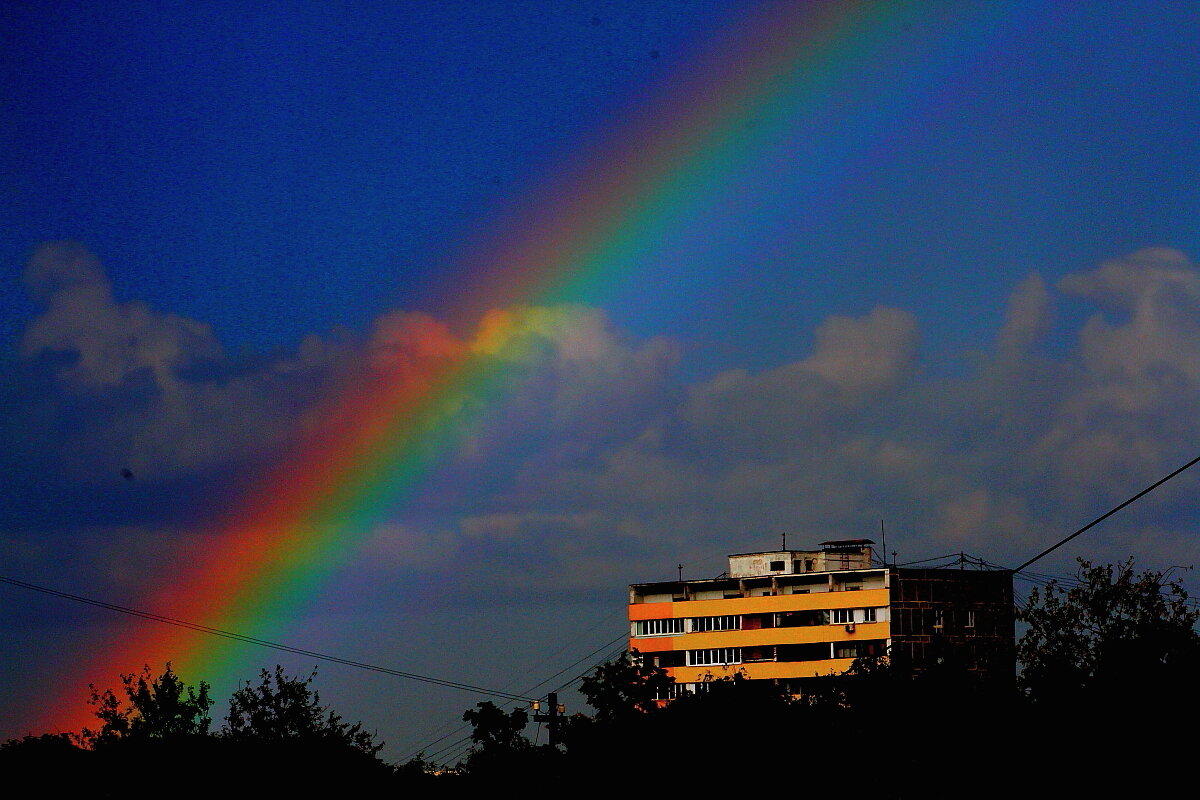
461	751
1045	580
604	646
447	731
239	637
570	642
437	754
574	663
612	656
1108	514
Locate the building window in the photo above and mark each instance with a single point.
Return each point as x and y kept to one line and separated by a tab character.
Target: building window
671	658
658	627
777	566
816	651
843	616
939	619
793	619
730	622
845	650
871	649
766	653
671	691
868	615
716	656
970	623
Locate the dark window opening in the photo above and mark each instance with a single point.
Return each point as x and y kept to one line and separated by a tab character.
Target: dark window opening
673	658
797	619
754	622
765	653
817	651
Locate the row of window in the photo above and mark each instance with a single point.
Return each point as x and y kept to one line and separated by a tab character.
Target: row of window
678	625
816	651
658	627
846	616
714	656
674	690
733	622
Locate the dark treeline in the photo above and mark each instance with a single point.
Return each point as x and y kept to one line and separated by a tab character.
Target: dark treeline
1108	667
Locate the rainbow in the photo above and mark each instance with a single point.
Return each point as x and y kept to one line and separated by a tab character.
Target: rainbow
571	238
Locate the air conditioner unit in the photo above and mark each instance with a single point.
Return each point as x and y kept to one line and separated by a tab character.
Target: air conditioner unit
850	627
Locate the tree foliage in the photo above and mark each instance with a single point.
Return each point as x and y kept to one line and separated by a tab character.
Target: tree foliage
281	710
160	707
1108	628
500	750
491	727
625	686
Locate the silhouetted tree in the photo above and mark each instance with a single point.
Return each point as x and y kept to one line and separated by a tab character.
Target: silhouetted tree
153	708
493	728
501	749
1110	660
281	710
1105	631
625	686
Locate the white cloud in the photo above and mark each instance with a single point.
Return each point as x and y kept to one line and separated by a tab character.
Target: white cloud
866	355
1026	320
112	342
588	448
1159	291
1001	460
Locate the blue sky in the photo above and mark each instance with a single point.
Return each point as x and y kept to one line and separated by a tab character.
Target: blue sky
973	313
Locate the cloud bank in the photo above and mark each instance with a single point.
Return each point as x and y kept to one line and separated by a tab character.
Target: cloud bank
593	463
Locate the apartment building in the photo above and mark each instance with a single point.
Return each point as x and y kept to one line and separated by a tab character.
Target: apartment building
794	616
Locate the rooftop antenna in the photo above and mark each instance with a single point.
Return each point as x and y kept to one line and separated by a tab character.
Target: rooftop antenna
883	535
681	572
783	540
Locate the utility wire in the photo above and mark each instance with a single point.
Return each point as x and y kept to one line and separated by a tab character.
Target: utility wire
927	560
437	754
239	637
447	731
1108	514
527	691
604	646
569	643
461	751
610	657
1044	580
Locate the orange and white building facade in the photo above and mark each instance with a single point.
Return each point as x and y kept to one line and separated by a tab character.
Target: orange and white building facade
796	615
